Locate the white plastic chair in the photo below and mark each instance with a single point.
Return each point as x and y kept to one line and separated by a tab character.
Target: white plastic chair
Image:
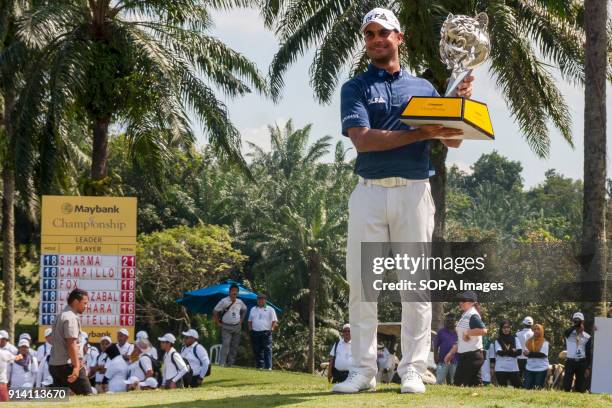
215	354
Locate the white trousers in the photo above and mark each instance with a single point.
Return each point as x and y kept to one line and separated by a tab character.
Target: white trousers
380	214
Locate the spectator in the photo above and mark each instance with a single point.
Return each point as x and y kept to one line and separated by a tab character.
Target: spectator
142	368
262	322
43	376
537	359
523	335
443	343
6	358
22	373
507	349
229	314
116	369
124	346
66	354
44	350
5	344
197	357
101	380
143	335
174	366
578	349
469	347
488	367
27	337
340	357
90	358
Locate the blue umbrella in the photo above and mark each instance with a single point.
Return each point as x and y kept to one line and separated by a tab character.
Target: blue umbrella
204	300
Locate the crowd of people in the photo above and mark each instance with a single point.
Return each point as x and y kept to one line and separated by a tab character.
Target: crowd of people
464	354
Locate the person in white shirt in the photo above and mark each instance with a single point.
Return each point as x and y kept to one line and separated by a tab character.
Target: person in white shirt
143	335
174	367
101	380
489	363
523	335
22	373
45	349
469	348
196	356
536	351
578	359
507	349
5	344
228	315
262	322
90	358
27	337
340	357
142	371
124	346
116	369
6	358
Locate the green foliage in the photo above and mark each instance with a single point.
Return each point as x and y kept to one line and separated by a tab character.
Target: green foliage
177	260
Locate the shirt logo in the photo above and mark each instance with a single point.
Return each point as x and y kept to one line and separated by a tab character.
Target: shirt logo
377	99
352	116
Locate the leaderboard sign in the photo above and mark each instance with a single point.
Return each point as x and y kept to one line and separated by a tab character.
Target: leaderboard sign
89	243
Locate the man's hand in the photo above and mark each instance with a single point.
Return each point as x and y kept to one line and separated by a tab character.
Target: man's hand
18	357
464	89
75	374
587	373
438	132
172	385
447	358
466	336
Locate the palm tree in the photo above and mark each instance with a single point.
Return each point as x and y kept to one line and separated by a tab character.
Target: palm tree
520	31
141	65
302	228
594	200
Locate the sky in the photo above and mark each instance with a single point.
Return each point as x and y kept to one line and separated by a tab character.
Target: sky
243	30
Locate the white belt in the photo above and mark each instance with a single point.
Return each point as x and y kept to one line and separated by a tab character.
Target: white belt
390	182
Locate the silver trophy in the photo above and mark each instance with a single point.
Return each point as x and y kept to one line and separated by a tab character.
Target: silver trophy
464	45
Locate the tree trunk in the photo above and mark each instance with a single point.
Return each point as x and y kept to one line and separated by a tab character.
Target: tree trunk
8	223
594	201
99	154
438	191
313	280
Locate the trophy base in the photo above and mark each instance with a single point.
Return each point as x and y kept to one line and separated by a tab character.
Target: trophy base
453	112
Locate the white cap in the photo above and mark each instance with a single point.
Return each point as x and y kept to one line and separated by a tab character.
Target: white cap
23	342
169	337
528	320
382	16
346	326
25	336
142	335
143	345
106	338
48	331
191	333
578	315
132	380
150	382
4	334
124	332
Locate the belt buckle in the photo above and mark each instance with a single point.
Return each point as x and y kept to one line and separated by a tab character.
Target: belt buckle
388	182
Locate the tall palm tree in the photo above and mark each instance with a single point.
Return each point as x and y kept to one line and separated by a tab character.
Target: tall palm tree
594	200
301	227
141	65
520	30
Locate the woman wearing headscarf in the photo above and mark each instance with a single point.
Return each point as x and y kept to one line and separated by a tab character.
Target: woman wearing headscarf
470	329
537	359
507	349
23	372
116	369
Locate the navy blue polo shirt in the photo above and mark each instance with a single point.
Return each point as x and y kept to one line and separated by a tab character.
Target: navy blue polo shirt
375	99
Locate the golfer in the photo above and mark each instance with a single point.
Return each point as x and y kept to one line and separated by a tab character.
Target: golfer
392	201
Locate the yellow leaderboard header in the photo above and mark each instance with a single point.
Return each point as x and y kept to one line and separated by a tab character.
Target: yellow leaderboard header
89	243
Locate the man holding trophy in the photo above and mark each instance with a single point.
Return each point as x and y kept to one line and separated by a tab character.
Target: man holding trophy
392	201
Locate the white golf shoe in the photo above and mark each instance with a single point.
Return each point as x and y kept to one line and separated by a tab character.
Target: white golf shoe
354	383
412	383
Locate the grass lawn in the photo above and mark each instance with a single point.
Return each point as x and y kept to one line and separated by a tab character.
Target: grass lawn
245	388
